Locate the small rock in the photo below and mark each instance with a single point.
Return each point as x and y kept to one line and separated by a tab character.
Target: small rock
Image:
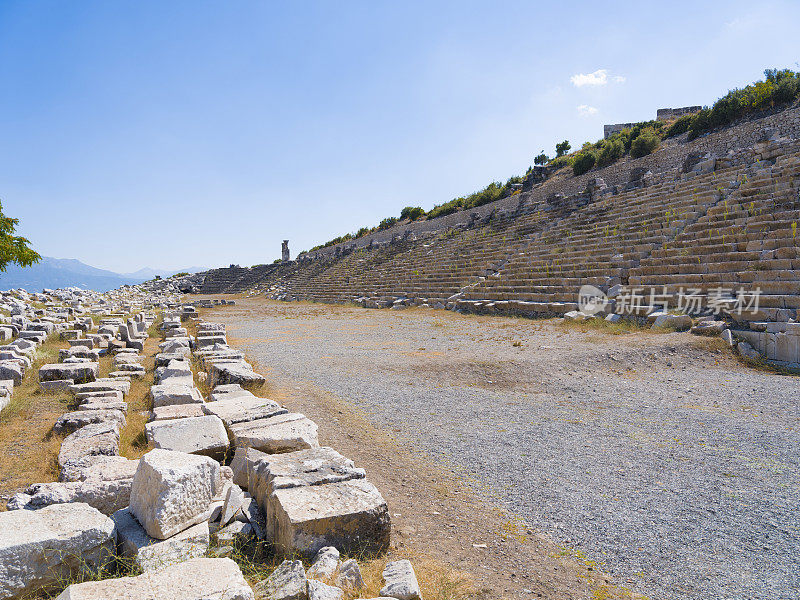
322	591
400	581
325	563
287	582
349	576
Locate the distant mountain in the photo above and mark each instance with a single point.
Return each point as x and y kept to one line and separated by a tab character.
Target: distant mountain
148	273
66	272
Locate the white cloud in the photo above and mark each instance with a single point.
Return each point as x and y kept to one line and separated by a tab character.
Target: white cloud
599	77
585	110
618	79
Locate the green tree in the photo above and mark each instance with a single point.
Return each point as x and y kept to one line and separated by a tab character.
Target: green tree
13	248
541	159
562	148
412	213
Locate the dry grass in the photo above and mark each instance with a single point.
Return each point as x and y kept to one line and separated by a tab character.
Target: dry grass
27	443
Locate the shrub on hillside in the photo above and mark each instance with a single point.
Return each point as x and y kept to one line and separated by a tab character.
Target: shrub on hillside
612	149
387	222
412	213
560	162
562	148
678	127
583	161
645	143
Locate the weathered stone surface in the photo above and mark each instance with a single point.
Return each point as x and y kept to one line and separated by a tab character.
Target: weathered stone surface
234	500
282	433
196	435
83	372
677	322
240	409
104	403
237	531
322	591
235	372
351	515
169	394
400	581
709	328
176	411
12	369
56	385
195	579
287	582
172	491
102	385
150	554
105	496
91	440
39	547
325	564
107	468
349	576
69	422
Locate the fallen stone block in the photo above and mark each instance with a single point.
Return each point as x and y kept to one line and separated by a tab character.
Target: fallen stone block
57	385
400	581
676	322
195	579
241	409
322	591
169	394
104	403
83	372
325	564
102	385
13	370
287	582
235	532
106	468
172	491
236	372
38	548
105	496
70	422
195	435
282	433
349	576
351	515
91	440
150	554
176	411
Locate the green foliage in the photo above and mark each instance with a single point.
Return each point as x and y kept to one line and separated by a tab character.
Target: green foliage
14	249
562	148
612	149
387	222
181	274
412	213
540	159
645	143
679	126
560	162
583	161
778	87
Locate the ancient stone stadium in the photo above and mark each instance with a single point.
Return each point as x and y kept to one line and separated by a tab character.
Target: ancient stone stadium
578	384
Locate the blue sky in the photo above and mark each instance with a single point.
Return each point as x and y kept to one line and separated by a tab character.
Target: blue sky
173	134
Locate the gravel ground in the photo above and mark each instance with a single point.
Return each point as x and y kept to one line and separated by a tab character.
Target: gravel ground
669	464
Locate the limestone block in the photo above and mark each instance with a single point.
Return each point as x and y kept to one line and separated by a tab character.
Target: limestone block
287	582
176	411
172	491
282	433
39	547
72	421
240	409
106	468
12	369
169	394
351	515
104	403
92	440
235	372
83	372
101	385
325	564
322	591
195	579
196	435
56	385
400	581
677	322
150	554
349	576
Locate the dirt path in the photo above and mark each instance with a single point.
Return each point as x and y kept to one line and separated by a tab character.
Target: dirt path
667	465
